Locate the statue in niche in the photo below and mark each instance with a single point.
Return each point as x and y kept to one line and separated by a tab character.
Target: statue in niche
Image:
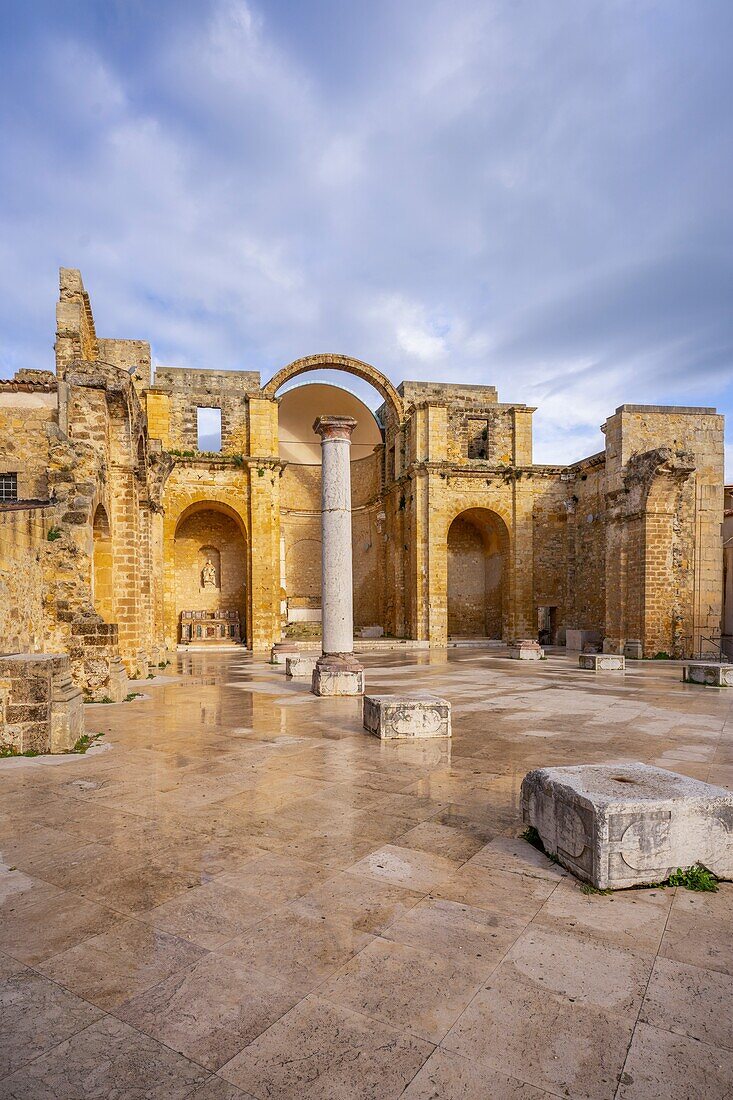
208	575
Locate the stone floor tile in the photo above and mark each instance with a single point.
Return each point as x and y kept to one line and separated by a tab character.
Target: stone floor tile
520	896
690	1001
675	1067
35	1015
38	920
521	1030
627	918
514	854
409	988
106	1061
692	938
408	867
299	946
218	1089
210	1011
274	878
208	915
584	971
457	931
442	840
368	905
447	1076
319	1051
114	966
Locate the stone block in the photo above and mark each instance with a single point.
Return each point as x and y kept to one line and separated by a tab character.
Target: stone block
281	651
526	650
602	662
710	673
625	825
300	666
391	717
371	632
42	707
337	676
633	649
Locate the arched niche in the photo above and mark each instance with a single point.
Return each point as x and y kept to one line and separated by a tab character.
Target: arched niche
210	561
478	580
102	566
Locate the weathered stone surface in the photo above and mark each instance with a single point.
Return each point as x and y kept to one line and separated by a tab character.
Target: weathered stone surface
579	639
631	824
337	676
41	707
633	650
711	673
406	716
526	650
281	651
602	662
300	666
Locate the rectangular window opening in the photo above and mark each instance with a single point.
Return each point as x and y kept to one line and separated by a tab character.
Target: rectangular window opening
8	487
478	438
208	425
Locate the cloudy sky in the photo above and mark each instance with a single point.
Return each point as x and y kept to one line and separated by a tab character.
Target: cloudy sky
534	194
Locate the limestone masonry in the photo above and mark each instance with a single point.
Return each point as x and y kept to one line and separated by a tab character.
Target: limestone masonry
124	532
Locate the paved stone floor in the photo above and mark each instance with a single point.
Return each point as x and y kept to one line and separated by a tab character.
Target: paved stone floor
245	895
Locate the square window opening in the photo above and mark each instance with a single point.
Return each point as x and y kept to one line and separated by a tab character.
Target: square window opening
8	487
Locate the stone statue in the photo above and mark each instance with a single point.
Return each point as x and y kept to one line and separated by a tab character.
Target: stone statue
208	575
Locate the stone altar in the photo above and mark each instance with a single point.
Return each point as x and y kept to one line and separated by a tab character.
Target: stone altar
602	662
391	717
209	627
625	825
711	673
526	650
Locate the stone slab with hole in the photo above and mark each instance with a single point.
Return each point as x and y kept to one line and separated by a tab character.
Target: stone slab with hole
392	717
709	673
602	662
625	825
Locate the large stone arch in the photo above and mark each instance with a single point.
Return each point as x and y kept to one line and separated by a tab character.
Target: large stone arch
213	522
344	363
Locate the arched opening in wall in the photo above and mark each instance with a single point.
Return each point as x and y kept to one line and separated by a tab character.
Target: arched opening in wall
210	581
102	578
478	563
300	499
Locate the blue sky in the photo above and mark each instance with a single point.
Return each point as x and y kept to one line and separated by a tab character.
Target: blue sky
534	194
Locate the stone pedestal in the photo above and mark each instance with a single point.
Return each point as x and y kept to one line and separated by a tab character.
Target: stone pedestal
526	650
631	824
42	707
300	666
338	675
633	650
391	717
337	671
710	673
602	662
281	651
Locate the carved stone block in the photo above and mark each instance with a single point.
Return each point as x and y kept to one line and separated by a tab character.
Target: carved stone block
406	716
630	824
338	675
602	662
300	666
526	650
711	673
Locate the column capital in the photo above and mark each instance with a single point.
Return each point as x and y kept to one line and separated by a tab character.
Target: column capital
334	427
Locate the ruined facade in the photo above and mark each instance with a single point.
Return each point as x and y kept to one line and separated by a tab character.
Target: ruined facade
114	522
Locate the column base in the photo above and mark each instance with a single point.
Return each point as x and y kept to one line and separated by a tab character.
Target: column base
281	651
338	674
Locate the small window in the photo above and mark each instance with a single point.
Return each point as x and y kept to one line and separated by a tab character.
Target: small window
8	487
208	423
478	439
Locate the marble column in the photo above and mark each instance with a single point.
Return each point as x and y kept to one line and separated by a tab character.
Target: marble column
337	671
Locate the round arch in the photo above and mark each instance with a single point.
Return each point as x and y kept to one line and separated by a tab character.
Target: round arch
341	363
